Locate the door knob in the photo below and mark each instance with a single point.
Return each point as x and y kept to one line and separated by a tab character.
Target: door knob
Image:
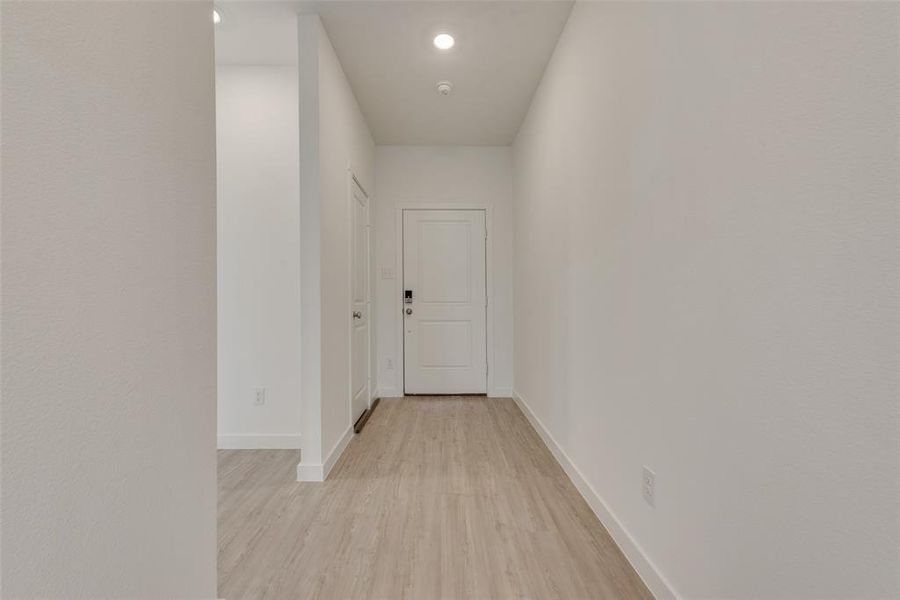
357	314
409	311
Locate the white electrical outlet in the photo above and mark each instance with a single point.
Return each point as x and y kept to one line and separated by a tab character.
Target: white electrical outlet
390	365
387	273
648	486
260	397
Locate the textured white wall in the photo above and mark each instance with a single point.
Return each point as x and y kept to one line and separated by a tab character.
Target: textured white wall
446	175
706	250
109	300
259	255
333	137
344	140
309	28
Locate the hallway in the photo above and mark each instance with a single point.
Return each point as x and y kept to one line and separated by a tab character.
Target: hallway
620	279
451	497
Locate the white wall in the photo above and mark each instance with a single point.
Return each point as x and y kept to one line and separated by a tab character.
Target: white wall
109	300
333	136
259	255
344	139
447	175
707	284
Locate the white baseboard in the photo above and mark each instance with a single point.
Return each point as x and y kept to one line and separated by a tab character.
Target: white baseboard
658	585
497	392
336	452
259	441
319	472
306	472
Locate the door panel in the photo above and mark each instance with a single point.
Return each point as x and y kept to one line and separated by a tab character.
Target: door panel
359	292
445	325
445	344
443	264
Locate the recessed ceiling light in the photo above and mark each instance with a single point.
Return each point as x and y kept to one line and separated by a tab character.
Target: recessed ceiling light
217	18
443	41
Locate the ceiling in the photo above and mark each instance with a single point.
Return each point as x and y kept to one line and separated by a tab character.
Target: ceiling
387	54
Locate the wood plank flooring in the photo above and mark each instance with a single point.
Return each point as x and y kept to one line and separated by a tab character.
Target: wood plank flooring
436	498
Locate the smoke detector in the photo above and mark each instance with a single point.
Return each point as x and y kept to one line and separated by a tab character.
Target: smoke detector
444	88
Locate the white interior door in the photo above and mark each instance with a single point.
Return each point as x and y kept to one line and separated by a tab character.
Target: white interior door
359	292
445	332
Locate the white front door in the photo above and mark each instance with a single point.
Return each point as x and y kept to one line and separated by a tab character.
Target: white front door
359	300
445	333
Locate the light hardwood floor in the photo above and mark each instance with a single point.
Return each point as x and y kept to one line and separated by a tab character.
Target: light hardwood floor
436	498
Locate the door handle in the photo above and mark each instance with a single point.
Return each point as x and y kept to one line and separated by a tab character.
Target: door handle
409	311
357	314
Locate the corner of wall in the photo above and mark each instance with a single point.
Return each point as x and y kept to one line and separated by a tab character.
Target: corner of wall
309	28
309	471
334	137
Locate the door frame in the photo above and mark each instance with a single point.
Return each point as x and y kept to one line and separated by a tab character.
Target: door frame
487	207
353	179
